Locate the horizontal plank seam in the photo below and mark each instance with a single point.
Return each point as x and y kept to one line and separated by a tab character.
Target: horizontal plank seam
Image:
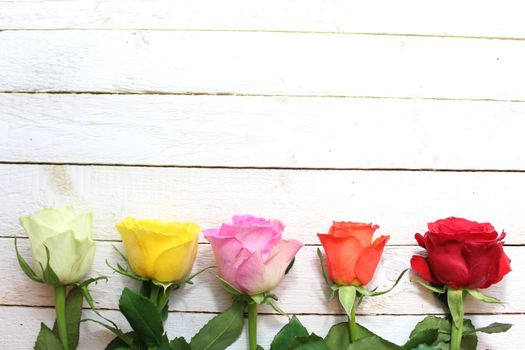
276	314
207	243
234	94
251	167
231	30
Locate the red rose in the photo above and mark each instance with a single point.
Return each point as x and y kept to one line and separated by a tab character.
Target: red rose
461	254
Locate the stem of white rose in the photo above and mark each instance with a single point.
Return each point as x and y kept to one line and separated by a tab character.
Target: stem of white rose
60	308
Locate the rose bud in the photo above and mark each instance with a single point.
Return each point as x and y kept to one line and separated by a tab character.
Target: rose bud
158	250
250	254
66	233
461	254
351	257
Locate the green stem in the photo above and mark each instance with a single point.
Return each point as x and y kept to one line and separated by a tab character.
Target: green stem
352	326
154	294
455	300
60	308
252	325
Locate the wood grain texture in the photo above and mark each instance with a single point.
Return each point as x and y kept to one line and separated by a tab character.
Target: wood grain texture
474	18
401	202
261	63
282	132
302	291
21	324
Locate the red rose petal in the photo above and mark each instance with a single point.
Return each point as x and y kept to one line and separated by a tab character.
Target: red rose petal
420	265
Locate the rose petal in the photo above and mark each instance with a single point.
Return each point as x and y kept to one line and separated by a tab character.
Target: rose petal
445	257
420	265
367	263
229	254
253	238
420	240
175	263
363	232
341	256
503	268
274	268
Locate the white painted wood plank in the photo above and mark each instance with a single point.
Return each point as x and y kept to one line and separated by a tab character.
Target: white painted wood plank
302	290
21	324
401	202
281	132
261	63
475	18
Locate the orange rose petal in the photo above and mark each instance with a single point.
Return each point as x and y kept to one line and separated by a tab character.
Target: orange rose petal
367	263
363	232
341	256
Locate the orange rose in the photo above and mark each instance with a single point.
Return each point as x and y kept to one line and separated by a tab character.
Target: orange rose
351	257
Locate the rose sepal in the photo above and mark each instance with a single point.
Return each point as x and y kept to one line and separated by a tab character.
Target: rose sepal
128	272
484	298
259	299
362	291
430	287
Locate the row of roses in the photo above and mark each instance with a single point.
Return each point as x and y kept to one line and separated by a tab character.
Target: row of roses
252	258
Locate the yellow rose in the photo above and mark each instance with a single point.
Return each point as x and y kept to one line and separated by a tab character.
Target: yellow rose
158	250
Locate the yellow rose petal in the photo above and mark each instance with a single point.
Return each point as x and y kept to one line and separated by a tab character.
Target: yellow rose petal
175	263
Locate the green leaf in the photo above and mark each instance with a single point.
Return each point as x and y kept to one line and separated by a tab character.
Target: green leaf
455	298
469	340
259	347
422	282
482	297
323	267
338	336
287	334
50	276
143	316
228	287
25	266
347	296
47	340
127	338
74	313
118	343
222	330
310	342
373	342
495	327
440	324
179	344
424	337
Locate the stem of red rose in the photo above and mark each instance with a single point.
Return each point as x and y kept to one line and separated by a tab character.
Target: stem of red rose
455	300
352	326
60	308
252	325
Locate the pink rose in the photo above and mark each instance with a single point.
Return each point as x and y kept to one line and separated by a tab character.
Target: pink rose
250	253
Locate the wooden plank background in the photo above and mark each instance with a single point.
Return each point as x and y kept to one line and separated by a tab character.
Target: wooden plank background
397	113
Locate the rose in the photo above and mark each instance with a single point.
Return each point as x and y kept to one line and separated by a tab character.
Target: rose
250	254
351	257
161	251
66	233
461	254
